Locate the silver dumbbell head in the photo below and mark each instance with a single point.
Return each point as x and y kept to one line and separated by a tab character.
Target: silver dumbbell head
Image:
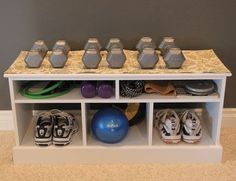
148	58
116	58
166	44
34	59
93	43
58	58
40	46
61	44
145	42
174	58
91	58
114	43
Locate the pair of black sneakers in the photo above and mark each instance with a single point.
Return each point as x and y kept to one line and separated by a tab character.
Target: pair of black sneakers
55	127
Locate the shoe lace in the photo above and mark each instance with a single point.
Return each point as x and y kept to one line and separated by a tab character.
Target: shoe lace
191	122
169	119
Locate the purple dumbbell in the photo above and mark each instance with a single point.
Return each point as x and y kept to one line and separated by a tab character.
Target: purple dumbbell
88	89
104	89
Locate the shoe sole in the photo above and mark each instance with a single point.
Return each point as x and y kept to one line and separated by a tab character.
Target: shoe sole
170	141
191	141
43	141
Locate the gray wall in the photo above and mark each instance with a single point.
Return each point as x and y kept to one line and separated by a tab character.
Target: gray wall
196	24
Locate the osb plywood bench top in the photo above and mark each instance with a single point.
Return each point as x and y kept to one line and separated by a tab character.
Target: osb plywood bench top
197	61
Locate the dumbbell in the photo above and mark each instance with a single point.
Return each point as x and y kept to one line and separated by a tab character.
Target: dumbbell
59	55
115	54
147	57
92	57
172	55
90	89
36	55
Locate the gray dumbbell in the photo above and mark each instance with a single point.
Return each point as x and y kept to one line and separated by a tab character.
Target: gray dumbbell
36	55
59	55
166	44
92	57
115	55
147	56
174	58
114	43
172	55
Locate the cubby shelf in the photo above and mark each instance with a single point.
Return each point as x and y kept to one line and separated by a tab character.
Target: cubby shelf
143	143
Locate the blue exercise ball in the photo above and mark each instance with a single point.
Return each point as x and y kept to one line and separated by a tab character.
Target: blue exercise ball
110	125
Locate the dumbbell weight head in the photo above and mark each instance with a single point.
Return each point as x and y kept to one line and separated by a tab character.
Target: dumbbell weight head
58	58
34	59
36	55
61	44
93	43
114	43
59	55
166	44
91	58
145	42
116	58
148	58
174	58
40	45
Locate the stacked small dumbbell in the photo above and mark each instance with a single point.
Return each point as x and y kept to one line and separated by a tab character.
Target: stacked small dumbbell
147	56
59	55
172	55
36	55
115	54
92	57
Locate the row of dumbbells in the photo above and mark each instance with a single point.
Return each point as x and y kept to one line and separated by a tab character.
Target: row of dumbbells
91	57
115	54
147	56
39	50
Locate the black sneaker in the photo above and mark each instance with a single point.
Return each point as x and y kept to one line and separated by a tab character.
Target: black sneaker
43	129
64	127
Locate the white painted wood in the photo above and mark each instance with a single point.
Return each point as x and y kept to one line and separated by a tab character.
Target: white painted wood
117	90
6	121
142	143
90	76
118	154
149	115
84	122
13	106
220	111
74	96
24	116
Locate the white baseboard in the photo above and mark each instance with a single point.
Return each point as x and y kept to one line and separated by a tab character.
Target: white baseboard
229	119
6	120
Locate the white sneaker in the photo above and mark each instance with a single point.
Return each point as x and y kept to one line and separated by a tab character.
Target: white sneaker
191	127
168	123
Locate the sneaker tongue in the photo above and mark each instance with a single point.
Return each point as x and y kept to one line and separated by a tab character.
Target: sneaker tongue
62	121
171	124
45	121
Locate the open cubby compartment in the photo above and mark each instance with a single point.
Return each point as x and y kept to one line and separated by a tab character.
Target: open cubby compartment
209	117
138	135
27	117
73	96
180	96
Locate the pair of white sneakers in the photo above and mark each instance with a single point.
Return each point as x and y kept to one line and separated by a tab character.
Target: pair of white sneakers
173	126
